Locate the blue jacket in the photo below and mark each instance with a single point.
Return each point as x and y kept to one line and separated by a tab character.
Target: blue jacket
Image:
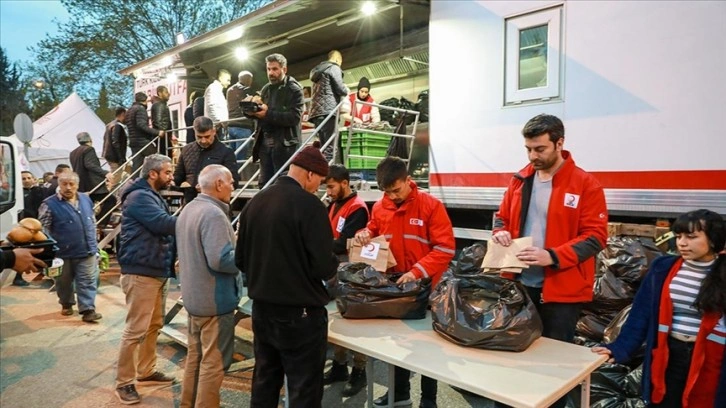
74	229
147	233
642	325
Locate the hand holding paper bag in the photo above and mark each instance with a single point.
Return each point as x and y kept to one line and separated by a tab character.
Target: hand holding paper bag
375	253
501	258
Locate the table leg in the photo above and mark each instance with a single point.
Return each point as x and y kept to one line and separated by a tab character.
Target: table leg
369	380
287	394
391	384
585	392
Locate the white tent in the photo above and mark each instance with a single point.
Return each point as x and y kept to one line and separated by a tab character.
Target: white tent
54	135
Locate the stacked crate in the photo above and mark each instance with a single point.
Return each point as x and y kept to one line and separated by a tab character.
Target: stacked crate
364	144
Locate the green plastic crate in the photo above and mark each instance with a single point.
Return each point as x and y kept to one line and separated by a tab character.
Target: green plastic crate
362	164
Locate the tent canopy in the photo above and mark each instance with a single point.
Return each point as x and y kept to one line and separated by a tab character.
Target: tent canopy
54	134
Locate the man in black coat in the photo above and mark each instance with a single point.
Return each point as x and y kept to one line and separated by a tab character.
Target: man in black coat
90	174
140	134
160	116
115	141
278	120
205	151
285	247
33	195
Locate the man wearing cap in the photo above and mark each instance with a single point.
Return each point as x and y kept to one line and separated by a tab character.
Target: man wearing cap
85	163
285	246
357	112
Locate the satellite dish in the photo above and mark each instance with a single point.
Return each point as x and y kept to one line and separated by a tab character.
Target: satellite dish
23	127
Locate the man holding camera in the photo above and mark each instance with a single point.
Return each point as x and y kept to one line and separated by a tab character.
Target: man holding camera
278	118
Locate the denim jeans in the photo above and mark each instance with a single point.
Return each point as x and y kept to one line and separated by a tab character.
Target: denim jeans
81	273
240	133
676	376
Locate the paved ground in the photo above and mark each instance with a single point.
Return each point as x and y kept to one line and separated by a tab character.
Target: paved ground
49	360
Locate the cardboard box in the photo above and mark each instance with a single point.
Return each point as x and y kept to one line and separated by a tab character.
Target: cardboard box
638	230
376	253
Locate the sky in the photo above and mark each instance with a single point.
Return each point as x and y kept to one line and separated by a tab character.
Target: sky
23	23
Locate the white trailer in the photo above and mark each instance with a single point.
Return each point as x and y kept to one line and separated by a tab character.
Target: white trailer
639	86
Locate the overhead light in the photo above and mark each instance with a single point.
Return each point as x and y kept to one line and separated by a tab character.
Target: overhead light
167	61
180	39
241	53
368	8
171	77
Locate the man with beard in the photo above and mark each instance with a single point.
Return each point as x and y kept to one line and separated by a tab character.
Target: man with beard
146	255
285	247
359	113
422	242
563	209
348	214
196	156
278	120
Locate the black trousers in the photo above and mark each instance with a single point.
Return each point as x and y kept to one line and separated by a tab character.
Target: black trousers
679	362
289	341
558	322
104	211
401	378
139	160
326	132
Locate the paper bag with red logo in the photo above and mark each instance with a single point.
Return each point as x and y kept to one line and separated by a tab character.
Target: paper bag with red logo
376	253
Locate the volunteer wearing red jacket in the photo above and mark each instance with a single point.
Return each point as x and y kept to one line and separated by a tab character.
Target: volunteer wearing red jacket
359	113
563	209
422	241
348	213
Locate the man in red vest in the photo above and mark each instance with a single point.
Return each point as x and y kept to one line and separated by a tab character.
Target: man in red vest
359	113
348	213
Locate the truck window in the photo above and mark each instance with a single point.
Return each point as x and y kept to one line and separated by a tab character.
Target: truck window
7	177
533	58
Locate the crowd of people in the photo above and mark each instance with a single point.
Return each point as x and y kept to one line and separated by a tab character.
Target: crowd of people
288	244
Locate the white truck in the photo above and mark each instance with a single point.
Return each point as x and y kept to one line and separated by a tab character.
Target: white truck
638	85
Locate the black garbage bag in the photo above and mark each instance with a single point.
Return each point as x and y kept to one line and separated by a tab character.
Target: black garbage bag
611	294
365	293
592	325
407	119
627	258
470	259
612	331
387	114
398	146
422	105
485	312
608	381
632	382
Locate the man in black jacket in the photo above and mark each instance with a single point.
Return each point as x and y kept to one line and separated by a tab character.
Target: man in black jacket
33	195
285	246
90	174
196	156
115	141
278	120
328	90
140	134
160	116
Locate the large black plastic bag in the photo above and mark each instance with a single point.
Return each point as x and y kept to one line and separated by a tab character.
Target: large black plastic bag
365	293
485	312
613	330
470	259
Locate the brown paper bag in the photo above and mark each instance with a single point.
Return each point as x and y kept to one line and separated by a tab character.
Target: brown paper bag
504	259
376	253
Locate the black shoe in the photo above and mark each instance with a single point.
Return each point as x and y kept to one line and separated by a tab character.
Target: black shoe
398	401
337	372
19	281
427	403
127	395
90	316
356	382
